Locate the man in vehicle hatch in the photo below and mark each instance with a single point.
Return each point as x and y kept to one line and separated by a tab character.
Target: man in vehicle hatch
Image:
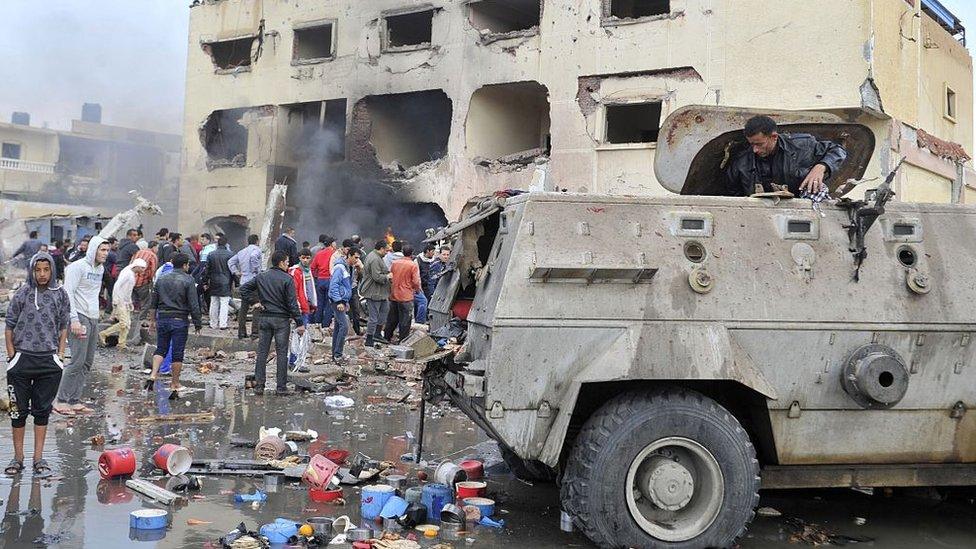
800	162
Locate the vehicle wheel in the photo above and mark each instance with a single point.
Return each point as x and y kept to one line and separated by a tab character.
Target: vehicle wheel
663	468
531	470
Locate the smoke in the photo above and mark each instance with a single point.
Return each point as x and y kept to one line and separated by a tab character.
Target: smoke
340	198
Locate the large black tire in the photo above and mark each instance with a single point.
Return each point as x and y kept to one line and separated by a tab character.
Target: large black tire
531	470
593	487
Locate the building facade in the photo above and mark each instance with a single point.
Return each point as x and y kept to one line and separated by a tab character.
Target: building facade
93	164
447	99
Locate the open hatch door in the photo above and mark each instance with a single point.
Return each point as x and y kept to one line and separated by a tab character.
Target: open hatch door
697	141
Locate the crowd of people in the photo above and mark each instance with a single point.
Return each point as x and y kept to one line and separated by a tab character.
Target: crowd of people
168	283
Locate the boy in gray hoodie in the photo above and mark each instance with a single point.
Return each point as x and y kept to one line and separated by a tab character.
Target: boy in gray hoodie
83	282
35	335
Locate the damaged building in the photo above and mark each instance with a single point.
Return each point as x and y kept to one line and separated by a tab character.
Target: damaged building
92	164
445	99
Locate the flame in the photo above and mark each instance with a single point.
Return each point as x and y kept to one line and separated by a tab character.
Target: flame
390	237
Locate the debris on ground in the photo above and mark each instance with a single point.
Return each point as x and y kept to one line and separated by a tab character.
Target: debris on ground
816	535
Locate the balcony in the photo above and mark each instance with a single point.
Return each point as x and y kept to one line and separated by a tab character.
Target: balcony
25	166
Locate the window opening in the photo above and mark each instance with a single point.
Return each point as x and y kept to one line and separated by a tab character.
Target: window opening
633	123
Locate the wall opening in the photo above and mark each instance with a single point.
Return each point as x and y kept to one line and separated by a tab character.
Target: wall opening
633	123
409	30
225	138
407	129
318	130
230	54
234	227
504	16
506	119
313	42
11	151
950	104
635	9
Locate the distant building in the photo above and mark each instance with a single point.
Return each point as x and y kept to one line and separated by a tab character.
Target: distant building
92	164
453	98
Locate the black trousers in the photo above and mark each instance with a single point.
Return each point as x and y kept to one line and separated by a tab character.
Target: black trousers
401	313
242	321
32	384
279	329
356	312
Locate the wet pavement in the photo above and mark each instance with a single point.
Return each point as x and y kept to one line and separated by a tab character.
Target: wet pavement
79	509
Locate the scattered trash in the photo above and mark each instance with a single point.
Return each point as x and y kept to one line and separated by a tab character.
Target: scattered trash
474	469
814	534
485	506
434	497
374	497
196	417
269	448
120	462
98	440
470	489
173	459
148	519
487	521
450	474
768	512
258	495
338	401
860	521
319	472
280	530
197	522
155	492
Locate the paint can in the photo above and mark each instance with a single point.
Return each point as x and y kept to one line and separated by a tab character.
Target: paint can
485	505
374	497
173	458
434	497
449	473
452	514
321	525
471	489
148	519
147	535
319	472
412	495
473	468
119	462
396	481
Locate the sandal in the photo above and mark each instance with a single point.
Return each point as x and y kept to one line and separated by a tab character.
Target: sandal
65	411
14	468
42	469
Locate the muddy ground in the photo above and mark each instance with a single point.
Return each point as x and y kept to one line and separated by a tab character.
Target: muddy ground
78	509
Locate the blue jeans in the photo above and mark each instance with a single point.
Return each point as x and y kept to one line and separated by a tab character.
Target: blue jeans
420	307
172	331
341	329
323	314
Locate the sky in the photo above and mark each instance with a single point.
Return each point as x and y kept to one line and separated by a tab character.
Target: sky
127	55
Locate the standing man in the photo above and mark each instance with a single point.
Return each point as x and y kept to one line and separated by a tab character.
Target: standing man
340	296
286	243
799	161
397	253
29	247
274	290
79	252
174	299
301	275
375	287
321	267
142	292
246	264
439	266
188	248
162	240
217	276
111	272
128	248
406	283
208	246
322	243
82	281
122	296
36	332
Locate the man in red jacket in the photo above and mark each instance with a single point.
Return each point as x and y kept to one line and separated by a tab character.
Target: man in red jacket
305	291
321	265
406	282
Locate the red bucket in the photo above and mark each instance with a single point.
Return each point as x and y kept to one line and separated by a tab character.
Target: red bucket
471	489
173	458
320	471
337	456
474	468
119	462
324	496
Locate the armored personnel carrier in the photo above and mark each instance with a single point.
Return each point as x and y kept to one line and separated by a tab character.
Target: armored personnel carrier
667	357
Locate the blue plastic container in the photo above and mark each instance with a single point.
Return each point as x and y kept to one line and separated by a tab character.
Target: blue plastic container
280	530
435	497
148	519
374	497
394	507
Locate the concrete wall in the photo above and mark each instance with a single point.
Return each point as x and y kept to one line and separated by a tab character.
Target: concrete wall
749	53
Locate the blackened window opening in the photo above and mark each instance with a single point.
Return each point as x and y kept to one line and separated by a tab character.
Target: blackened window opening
635	123
409	29
502	16
231	54
634	9
313	42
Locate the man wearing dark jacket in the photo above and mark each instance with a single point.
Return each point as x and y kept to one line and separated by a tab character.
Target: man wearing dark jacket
217	277
274	291
127	249
174	299
800	162
286	243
